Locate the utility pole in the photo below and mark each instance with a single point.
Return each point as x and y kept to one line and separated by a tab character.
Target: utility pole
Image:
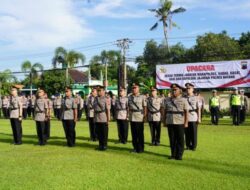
124	45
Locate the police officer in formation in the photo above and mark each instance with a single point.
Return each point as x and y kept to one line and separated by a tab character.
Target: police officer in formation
69	116
214	107
235	105
121	115
102	117
175	116
194	117
244	105
5	107
154	104
47	121
32	105
137	115
80	104
91	113
16	116
25	106
41	115
57	103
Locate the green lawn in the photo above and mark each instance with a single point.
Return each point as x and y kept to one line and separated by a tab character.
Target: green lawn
222	161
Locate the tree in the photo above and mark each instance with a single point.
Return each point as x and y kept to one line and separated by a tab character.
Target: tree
6	80
244	42
32	70
68	59
164	15
217	47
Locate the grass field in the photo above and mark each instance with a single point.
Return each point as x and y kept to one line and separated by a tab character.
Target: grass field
222	161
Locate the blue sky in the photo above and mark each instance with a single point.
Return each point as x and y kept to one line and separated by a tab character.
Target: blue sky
33	29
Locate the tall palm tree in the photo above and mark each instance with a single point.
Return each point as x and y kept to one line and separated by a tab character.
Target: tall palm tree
68	59
33	70
164	15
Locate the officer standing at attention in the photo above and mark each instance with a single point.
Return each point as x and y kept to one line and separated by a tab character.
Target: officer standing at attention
175	112
235	105
194	117
102	117
5	107
91	115
47	121
25	106
121	109
16	116
137	115
57	106
244	106
41	114
32	105
69	117
154	104
214	107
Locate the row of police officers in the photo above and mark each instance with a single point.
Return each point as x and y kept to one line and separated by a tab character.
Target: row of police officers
179	114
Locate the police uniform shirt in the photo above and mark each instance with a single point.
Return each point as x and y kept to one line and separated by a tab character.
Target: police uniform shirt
193	105
90	107
32	102
58	103
41	105
5	103
173	105
69	105
101	105
81	102
25	102
15	104
154	105
121	107
135	114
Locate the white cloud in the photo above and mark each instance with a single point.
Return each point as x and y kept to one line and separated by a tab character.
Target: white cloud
28	24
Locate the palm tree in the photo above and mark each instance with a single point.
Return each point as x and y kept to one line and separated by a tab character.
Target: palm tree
33	70
68	59
164	15
6	78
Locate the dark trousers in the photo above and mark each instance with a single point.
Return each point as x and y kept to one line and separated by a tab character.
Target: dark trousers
16	126
79	114
47	129
236	114
24	113
191	135
92	129
102	129
5	112
40	126
70	133
32	112
155	129
242	115
137	131
58	113
122	127
176	140
29	111
214	115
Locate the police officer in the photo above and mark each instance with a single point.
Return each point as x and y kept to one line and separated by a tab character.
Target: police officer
154	104
57	106
16	116
244	105
41	114
69	117
32	105
214	107
121	115
102	117
137	115
80	104
194	117
175	112
5	107
235	105
25	106
91	114
47	121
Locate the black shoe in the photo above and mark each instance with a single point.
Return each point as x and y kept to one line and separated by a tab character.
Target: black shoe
157	144
171	157
133	151
19	143
178	158
193	149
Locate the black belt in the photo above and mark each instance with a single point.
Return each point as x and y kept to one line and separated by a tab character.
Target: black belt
153	112
175	112
136	110
192	111
13	108
100	111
